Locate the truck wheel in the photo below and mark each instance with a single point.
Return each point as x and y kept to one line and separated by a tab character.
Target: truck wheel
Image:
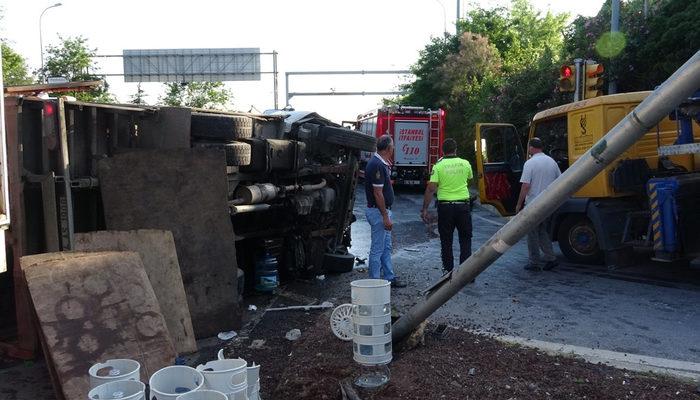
237	153
578	240
338	263
348	138
221	127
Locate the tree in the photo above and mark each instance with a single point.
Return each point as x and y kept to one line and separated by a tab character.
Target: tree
139	97
653	47
14	67
212	95
73	60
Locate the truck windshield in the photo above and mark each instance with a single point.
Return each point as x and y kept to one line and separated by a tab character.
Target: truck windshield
553	133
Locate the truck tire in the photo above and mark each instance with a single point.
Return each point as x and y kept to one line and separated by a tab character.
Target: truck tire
348	138
338	263
221	127
237	153
578	240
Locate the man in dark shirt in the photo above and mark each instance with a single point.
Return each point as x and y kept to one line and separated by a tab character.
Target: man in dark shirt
380	197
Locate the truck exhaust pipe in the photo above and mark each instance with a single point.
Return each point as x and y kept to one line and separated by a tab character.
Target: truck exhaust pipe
647	114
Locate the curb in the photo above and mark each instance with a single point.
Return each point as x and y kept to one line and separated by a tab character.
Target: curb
684	370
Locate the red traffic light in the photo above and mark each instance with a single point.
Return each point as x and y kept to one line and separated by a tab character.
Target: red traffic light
566	71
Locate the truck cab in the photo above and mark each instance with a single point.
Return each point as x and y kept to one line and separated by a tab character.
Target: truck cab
613	211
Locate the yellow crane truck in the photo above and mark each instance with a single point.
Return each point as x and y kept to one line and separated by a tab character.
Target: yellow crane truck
647	198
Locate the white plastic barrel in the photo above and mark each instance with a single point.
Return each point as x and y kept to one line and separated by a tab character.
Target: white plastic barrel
122	390
203	395
239	392
253	390
224	375
120	369
371	318
170	382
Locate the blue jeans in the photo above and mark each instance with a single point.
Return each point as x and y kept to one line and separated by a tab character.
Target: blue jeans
380	246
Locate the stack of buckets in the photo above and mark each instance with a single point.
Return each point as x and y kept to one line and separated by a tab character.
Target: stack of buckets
224	379
116	379
371	318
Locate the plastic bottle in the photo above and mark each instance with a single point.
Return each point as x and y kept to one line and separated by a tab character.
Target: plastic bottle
266	273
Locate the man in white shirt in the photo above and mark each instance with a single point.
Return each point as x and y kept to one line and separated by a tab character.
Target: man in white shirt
538	173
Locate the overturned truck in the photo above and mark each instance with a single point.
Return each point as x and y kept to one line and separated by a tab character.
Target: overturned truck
232	187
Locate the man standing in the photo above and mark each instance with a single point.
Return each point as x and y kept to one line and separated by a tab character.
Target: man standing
450	178
538	173
380	197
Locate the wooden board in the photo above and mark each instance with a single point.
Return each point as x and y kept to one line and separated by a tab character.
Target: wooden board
185	192
157	251
93	307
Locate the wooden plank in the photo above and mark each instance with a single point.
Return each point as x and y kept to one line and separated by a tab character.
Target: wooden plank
183	191
93	307
157	251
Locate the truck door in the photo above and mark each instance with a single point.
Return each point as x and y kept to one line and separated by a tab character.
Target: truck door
499	163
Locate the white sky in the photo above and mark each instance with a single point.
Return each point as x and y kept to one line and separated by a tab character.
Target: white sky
309	35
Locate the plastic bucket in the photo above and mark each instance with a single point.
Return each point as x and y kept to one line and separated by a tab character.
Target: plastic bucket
203	395
122	390
253	373
170	382
119	369
370	291
224	375
239	392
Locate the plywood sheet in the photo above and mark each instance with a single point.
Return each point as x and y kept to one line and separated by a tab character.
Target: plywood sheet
185	192
157	251
92	307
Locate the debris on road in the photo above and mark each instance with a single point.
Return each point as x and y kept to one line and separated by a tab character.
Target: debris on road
293	335
325	304
227	335
252	307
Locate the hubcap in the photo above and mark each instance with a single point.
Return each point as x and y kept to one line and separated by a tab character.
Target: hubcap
583	239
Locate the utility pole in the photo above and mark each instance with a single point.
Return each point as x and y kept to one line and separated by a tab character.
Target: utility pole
457	19
614	28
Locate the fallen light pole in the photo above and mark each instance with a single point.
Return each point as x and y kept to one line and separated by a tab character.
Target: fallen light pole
647	114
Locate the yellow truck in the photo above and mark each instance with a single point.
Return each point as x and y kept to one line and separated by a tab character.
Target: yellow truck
646	198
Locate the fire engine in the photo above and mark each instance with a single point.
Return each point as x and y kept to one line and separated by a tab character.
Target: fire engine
418	134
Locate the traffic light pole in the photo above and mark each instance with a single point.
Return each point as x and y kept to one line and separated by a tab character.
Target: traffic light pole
580	71
646	115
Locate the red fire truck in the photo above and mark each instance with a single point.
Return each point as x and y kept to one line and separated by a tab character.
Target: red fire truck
418	135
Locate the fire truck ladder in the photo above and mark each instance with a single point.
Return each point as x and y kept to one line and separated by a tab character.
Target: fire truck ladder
434	139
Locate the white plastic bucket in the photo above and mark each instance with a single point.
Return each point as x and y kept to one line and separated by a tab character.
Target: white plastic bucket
239	392
122	390
119	369
203	395
170	382
370	291
253	373
224	375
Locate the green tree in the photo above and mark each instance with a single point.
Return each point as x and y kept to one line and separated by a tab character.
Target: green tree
73	60
213	95
654	47
139	97
14	67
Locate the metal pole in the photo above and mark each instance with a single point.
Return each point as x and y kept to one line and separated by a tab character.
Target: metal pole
41	41
580	80
457	20
614	28
646	115
286	89
274	71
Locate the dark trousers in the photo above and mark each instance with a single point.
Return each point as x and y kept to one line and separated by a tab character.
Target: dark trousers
451	216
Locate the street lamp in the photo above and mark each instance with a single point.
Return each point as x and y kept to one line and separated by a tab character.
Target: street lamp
41	43
444	18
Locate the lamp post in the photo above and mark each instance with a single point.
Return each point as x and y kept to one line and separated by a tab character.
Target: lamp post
444	18
41	42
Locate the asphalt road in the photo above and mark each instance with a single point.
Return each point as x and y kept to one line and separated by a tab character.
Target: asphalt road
650	309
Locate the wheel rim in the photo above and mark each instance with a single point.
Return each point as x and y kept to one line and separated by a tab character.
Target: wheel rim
583	240
341	322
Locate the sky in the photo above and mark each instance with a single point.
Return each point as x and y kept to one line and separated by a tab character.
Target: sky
308	35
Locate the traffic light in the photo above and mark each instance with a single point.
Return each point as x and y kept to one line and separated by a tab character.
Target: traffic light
567	78
594	80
